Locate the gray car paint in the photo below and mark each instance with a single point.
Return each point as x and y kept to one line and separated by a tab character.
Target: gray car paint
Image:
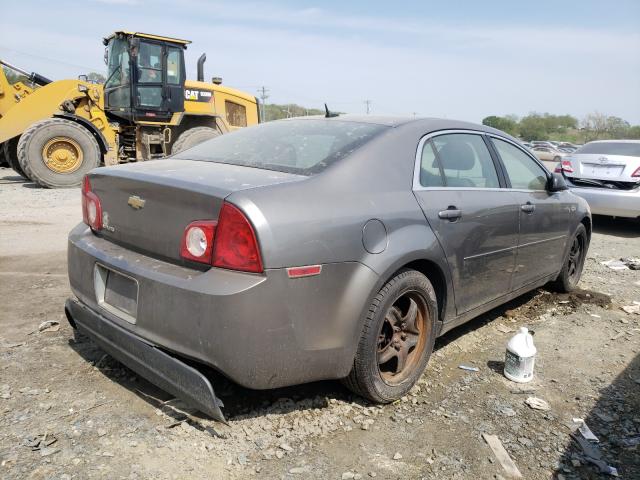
267	330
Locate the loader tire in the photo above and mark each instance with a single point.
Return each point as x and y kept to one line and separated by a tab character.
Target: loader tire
10	150
58	153
192	137
3	159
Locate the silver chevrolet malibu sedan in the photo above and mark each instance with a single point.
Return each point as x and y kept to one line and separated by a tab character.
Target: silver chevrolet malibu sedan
315	248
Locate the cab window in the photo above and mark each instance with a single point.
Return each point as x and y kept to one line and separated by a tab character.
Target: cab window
465	161
174	66
236	114
522	170
150	63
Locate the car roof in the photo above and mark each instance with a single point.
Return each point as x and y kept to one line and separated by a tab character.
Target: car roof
429	124
615	141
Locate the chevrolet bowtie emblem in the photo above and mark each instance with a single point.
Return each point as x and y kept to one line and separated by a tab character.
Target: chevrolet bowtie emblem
136	202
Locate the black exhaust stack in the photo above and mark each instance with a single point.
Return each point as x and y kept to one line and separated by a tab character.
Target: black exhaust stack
201	61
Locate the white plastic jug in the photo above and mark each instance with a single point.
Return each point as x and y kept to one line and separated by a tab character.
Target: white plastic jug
520	357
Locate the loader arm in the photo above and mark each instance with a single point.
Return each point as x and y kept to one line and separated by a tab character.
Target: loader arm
40	104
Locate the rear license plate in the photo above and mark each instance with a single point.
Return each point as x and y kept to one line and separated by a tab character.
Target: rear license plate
603	170
116	293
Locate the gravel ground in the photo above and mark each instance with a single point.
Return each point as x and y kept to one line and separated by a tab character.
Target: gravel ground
67	410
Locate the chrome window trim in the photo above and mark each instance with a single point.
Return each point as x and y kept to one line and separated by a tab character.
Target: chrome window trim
417	186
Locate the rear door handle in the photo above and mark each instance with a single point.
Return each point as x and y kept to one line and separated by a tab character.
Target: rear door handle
528	207
450	214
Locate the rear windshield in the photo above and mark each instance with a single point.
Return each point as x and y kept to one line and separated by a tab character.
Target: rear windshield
294	146
611	148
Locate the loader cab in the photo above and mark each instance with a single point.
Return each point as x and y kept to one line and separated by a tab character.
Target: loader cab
145	76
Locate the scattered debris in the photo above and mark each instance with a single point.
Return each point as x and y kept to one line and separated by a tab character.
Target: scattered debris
470	369
593	455
40	442
48	326
501	454
397	456
615	265
635	308
584	429
537	403
504	328
632	263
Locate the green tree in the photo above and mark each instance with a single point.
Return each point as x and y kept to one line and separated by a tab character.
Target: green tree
506	124
533	127
96	77
634	132
276	112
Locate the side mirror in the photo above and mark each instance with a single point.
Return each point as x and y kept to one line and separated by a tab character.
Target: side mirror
556	183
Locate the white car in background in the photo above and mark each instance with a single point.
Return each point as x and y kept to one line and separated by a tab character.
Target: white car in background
550	156
606	174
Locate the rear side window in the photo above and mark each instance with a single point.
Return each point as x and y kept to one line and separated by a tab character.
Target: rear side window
430	175
611	148
304	147
522	170
465	161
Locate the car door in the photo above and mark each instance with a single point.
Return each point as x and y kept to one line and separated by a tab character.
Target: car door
544	216
459	190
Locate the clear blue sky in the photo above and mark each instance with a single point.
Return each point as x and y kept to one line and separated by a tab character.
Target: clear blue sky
462	60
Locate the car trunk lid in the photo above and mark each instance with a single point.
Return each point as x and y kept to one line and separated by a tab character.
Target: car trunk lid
147	206
594	166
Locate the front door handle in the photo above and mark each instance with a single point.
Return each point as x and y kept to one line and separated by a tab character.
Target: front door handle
450	214
528	207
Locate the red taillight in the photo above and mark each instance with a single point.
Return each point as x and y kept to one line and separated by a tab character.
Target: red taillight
91	208
636	173
236	246
567	167
228	243
197	241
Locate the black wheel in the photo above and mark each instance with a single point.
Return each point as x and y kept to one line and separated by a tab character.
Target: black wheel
397	339
10	150
192	137
574	262
57	153
3	159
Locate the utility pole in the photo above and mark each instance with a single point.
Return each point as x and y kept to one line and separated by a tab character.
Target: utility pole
263	98
368	104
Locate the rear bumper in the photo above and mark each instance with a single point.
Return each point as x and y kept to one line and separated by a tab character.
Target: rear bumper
163	370
604	201
262	331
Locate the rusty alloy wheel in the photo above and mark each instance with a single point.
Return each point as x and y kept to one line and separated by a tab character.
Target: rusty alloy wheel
403	337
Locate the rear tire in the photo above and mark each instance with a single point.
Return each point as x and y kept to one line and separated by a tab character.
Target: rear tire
3	159
58	153
574	262
10	150
390	328
192	137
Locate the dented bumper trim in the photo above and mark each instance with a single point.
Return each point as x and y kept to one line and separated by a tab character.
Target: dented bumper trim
151	363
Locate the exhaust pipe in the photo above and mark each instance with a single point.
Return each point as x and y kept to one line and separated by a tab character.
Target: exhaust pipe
201	61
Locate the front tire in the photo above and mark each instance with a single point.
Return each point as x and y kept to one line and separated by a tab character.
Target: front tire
58	153
574	262
397	339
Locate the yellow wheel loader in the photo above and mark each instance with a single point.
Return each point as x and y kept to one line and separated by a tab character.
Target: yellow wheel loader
57	131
